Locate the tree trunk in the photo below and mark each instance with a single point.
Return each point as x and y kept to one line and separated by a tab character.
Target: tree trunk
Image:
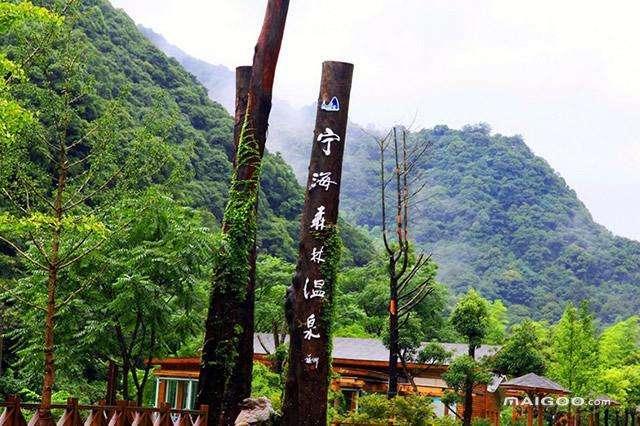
468	393
239	385
52	285
228	296
125	380
49	357
278	366
112	383
394	334
309	303
407	373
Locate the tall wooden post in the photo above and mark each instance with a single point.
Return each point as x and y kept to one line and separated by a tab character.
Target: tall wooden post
243	80
309	303
239	386
225	323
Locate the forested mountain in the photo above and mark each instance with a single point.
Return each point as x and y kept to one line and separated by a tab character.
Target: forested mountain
216	78
127	66
498	218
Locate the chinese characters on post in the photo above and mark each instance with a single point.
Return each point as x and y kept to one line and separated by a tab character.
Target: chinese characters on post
310	298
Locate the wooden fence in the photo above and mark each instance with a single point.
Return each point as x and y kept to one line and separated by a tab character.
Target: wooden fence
124	413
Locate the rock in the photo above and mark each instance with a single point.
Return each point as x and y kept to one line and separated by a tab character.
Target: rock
255	411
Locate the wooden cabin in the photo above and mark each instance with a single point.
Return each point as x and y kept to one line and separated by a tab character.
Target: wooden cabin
361	366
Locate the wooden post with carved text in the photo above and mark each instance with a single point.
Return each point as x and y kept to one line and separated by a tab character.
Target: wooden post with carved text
309	304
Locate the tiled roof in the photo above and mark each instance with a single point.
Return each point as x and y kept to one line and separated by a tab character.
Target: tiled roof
368	349
533	381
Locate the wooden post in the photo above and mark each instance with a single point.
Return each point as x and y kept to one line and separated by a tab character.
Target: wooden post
112	383
201	420
243	80
309	304
71	416
162	392
12	415
164	416
239	386
97	416
221	350
181	388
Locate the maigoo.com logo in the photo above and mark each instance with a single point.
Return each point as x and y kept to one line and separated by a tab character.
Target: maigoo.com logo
560	401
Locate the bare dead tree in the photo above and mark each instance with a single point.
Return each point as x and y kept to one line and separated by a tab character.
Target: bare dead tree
406	288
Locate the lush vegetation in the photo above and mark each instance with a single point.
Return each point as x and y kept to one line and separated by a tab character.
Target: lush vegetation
147	160
499	219
144	158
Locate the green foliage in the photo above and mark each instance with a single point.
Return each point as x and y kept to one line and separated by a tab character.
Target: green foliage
470	318
574	351
622	383
273	276
146	293
268	384
414	410
501	220
434	353
619	347
410	410
522	352
620	342
465	368
362	303
445	421
497	323
481	422
375	406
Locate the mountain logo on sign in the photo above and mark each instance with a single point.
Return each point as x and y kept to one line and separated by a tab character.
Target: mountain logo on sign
333	105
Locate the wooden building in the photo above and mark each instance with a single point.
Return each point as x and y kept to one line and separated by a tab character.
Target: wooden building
361	366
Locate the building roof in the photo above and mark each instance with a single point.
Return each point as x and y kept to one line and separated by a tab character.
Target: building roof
535	383
360	349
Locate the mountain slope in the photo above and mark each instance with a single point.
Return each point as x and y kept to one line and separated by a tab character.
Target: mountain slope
126	66
498	218
217	79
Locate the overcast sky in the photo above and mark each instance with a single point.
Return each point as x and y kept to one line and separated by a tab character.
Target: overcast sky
563	74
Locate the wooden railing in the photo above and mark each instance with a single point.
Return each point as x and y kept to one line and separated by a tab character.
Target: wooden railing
124	413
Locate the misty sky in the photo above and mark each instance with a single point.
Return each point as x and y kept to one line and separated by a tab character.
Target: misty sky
563	74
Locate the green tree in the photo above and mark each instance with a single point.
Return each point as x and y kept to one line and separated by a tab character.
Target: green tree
62	178
149	298
497	323
522	352
574	351
463	373
622	384
620	359
471	319
272	278
619	342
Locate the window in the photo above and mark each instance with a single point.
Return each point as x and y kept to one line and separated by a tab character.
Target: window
178	393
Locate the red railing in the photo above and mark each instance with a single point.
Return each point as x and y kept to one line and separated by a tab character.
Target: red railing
124	413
